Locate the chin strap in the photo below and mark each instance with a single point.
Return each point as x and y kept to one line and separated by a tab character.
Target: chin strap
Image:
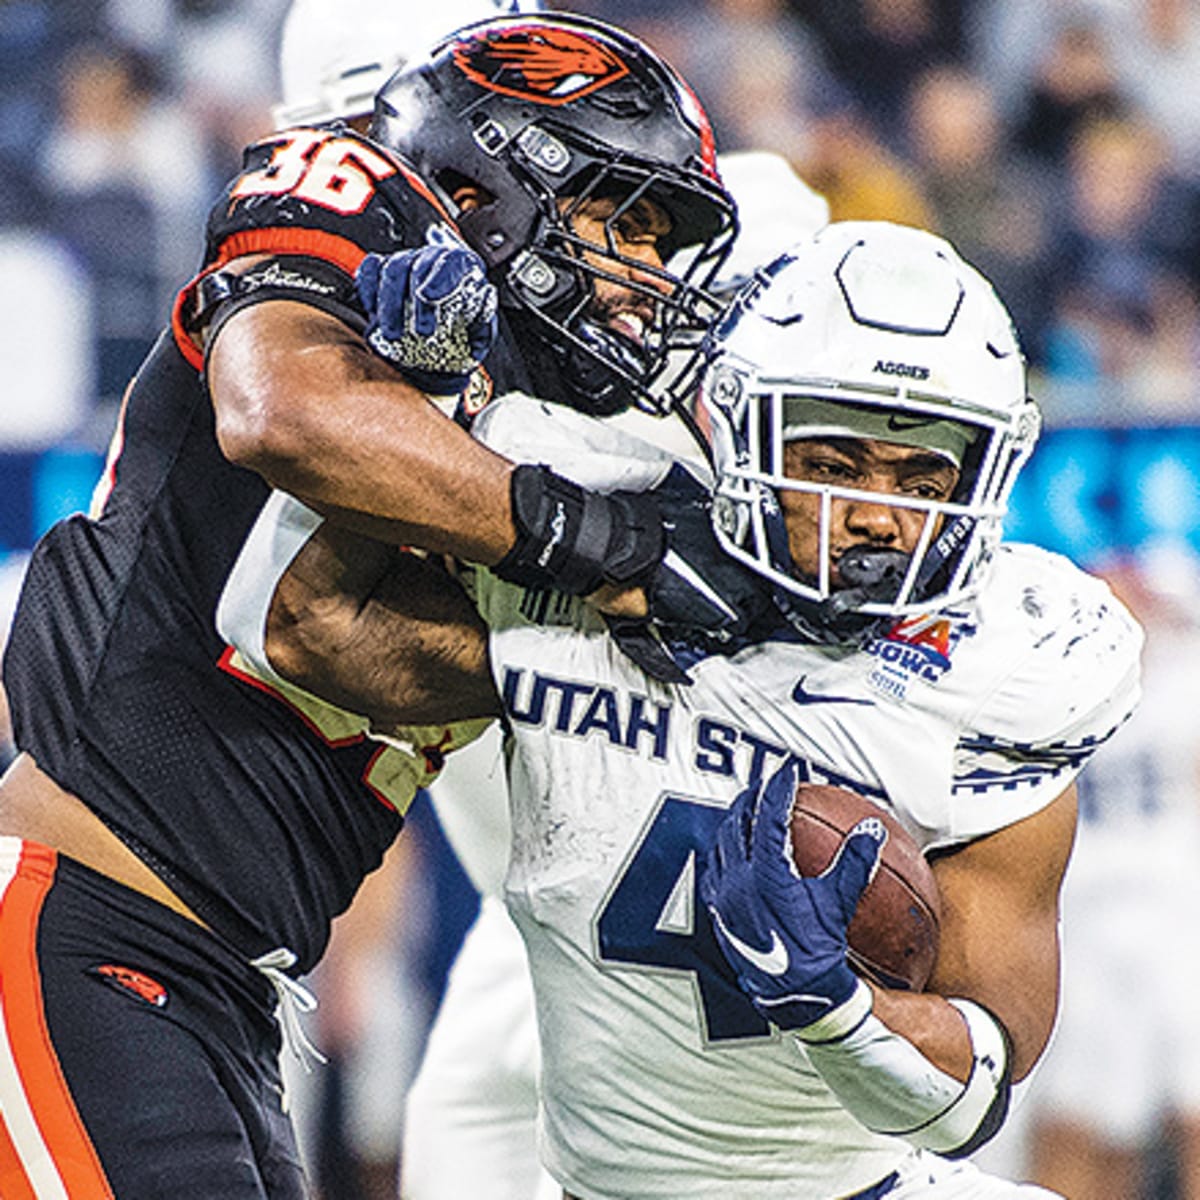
599	366
945	552
586	367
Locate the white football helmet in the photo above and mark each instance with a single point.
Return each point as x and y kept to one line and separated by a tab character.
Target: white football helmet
879	331
336	54
775	208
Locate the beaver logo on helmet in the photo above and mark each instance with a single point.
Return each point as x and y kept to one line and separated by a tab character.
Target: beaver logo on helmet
545	65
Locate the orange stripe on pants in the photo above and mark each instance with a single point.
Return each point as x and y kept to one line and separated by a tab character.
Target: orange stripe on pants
49	1100
13	1183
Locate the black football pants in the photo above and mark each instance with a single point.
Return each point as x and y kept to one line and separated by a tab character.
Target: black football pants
138	1054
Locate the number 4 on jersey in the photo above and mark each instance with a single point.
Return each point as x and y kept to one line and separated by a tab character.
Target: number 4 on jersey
653	916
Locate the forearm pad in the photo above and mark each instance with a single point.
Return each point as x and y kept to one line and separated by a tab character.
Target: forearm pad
889	1086
574	540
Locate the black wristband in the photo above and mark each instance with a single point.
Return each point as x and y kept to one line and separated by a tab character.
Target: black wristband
573	540
638	541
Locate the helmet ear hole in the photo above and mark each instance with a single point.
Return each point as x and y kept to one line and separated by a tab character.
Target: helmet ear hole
465	193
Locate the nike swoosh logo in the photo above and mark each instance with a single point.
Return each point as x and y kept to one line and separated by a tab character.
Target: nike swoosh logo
674	562
904	424
802	696
772	961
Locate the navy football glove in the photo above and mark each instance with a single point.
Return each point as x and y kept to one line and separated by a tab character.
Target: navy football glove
784	934
431	312
696	592
696	587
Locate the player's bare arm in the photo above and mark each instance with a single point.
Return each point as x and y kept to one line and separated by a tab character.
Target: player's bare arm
999	941
300	399
379	631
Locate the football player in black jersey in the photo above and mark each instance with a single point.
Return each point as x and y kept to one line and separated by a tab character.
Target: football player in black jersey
177	832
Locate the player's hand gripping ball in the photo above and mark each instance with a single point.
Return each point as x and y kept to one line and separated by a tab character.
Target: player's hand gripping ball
893	935
788	885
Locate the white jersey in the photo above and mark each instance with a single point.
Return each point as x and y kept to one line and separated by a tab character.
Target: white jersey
471	1113
470	795
659	1078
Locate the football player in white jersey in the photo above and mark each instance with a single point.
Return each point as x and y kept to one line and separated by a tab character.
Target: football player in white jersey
867	397
471	1117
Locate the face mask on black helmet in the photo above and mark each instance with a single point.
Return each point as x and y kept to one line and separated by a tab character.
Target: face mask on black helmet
547	115
867	331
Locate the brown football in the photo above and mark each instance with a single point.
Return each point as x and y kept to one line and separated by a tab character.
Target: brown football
894	934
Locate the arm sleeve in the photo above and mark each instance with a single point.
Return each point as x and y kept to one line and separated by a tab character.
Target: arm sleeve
890	1087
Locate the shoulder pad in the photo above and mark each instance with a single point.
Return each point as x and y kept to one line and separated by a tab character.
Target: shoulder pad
1073	655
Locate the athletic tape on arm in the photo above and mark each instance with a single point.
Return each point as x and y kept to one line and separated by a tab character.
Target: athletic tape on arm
888	1085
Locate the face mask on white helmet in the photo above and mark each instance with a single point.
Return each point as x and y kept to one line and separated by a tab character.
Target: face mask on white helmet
336	54
867	335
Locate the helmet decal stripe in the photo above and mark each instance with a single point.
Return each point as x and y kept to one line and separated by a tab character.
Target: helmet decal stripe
693	111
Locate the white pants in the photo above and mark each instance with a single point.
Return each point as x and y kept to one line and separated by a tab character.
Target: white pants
471	1121
931	1178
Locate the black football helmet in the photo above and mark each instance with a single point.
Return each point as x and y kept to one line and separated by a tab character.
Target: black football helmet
545	113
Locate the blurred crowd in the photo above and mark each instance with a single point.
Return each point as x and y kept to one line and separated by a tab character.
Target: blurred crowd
1055	142
118	123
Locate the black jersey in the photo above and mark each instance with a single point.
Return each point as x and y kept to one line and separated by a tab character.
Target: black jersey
262	819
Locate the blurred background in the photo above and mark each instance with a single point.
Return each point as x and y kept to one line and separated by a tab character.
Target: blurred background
1055	142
